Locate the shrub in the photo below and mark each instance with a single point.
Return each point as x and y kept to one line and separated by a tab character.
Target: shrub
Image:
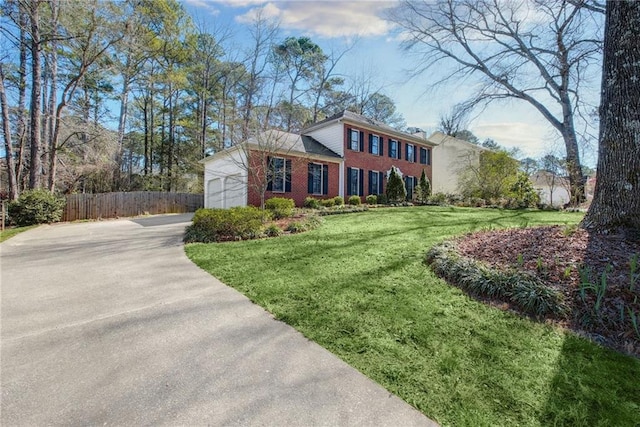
523	195
382	199
36	207
437	199
280	207
273	231
396	191
354	200
311	203
327	203
309	223
372	199
338	201
215	225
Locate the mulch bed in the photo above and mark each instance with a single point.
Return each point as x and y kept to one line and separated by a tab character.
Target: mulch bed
556	255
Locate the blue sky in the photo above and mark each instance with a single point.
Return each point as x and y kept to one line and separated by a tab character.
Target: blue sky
334	24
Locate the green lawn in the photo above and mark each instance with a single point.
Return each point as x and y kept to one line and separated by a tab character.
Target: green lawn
359	287
10	232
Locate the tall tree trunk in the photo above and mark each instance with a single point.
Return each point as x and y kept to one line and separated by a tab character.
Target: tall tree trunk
122	121
8	143
616	202
53	86
35	167
21	129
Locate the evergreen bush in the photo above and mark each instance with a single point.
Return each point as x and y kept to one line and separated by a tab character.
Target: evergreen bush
36	207
423	191
372	199
354	200
338	200
311	203
396	192
280	207
215	225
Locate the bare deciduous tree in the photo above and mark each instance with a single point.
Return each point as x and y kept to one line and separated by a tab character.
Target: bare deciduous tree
537	51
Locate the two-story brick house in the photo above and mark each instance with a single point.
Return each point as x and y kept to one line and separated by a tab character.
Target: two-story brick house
346	154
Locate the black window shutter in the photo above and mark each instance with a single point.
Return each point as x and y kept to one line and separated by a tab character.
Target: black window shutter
423	156
406	153
348	181
361	141
381	146
325	179
370	143
361	189
380	182
287	184
415	155
389	151
269	174
349	138
371	189
429	156
399	150
310	179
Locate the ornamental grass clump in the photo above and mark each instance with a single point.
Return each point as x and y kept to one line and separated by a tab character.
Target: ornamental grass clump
519	288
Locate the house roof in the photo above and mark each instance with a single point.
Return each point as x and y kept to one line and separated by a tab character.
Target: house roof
440	138
358	119
282	142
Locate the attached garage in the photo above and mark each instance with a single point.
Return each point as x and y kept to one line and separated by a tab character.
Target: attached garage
226	180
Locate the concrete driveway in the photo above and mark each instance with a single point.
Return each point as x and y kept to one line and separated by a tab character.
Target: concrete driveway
110	323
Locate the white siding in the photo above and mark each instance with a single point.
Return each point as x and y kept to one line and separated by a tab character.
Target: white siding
226	181
331	136
449	160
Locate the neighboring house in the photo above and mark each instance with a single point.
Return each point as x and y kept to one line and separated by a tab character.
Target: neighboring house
346	154
453	156
553	189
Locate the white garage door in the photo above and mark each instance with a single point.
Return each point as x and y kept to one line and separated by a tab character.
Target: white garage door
234	189
215	195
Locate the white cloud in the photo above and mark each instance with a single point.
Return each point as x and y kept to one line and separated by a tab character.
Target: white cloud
326	18
203	4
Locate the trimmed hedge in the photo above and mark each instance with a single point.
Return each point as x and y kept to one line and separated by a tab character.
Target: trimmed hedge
215	225
36	207
523	290
280	207
354	200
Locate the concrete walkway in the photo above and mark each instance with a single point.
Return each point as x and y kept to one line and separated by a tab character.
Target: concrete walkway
110	323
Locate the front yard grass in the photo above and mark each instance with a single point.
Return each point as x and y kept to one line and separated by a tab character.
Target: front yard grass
359	286
10	232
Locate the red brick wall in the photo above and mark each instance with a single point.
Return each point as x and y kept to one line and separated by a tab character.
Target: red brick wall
299	180
365	160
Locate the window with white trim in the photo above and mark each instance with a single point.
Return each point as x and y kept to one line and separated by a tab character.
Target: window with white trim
278	174
355	140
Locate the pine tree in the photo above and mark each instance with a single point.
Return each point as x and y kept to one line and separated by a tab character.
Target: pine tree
396	192
424	188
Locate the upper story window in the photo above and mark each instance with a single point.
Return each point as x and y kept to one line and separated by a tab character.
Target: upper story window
394	149
410	154
354	139
425	156
375	145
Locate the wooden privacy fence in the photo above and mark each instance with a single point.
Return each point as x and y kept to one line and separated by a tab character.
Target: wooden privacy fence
113	205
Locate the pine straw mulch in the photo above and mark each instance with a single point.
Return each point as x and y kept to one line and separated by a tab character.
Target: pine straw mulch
557	255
